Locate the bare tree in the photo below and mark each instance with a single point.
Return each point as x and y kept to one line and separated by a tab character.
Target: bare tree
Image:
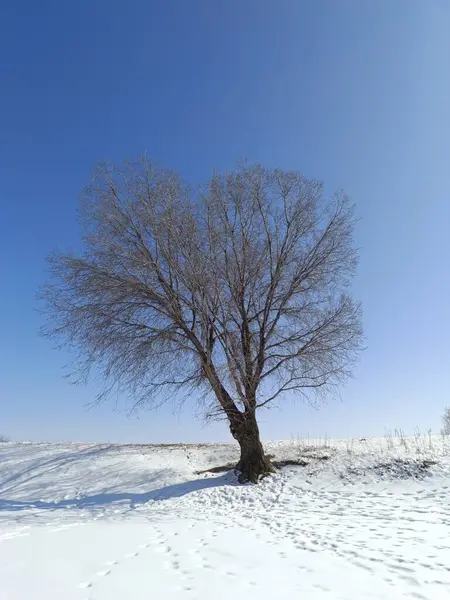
446	422
236	290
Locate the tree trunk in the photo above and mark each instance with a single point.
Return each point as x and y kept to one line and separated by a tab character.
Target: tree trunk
253	464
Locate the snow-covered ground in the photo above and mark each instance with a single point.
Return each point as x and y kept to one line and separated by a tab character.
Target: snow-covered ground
360	519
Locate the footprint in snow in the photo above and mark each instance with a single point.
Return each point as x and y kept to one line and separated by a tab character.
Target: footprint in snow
184	588
307	569
103	573
321	587
163	549
84	585
409	579
131	554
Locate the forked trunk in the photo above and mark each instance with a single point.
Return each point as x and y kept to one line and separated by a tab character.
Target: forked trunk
253	464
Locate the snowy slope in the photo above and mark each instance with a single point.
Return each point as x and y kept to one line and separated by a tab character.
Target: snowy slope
360	519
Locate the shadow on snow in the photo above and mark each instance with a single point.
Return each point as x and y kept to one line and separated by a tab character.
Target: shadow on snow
134	499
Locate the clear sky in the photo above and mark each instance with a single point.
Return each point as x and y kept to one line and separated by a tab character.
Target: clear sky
353	92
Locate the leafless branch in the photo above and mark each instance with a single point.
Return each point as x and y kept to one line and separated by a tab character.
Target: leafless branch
238	291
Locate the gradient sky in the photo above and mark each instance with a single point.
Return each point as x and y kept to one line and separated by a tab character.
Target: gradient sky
355	93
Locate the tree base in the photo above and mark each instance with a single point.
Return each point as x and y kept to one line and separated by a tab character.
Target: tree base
254	470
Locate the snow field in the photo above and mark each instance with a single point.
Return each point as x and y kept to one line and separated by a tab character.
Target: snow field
105	522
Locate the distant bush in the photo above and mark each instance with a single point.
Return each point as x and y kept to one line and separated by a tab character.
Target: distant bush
3	439
446	422
393	469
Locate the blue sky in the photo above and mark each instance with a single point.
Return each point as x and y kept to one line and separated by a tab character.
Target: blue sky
353	92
